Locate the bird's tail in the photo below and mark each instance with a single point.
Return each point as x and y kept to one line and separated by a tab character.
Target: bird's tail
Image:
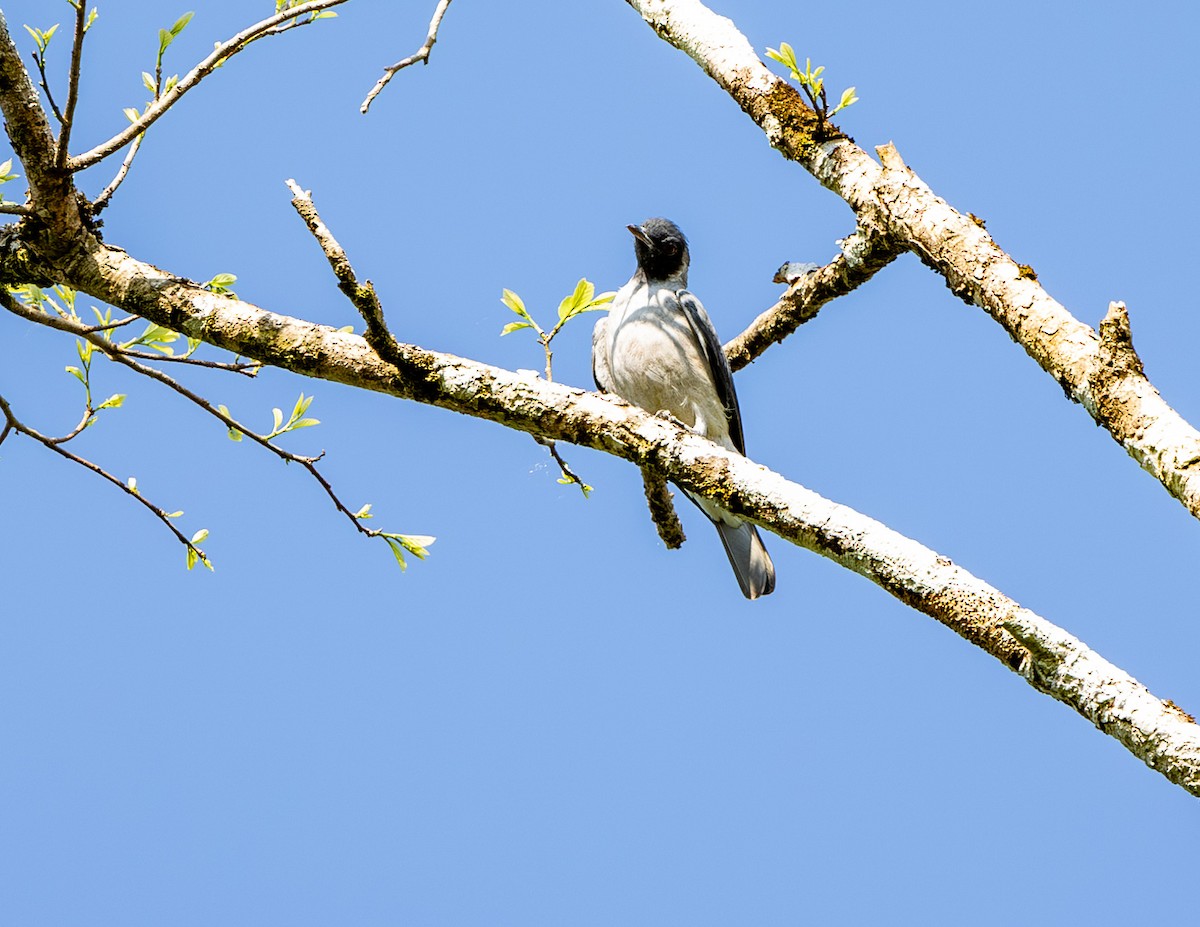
749	558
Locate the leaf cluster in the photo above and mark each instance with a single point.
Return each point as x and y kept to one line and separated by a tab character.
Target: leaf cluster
811	82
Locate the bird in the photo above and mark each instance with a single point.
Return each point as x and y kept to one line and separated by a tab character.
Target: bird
658	350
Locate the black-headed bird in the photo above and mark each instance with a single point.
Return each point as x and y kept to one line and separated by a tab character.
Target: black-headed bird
657	349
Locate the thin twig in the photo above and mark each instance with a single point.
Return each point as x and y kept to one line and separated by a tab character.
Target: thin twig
219	56
245	368
65	323
15	424
15	209
64	136
110	326
106	194
44	83
123	356
421	54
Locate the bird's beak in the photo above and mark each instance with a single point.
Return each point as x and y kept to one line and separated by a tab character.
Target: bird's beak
636	232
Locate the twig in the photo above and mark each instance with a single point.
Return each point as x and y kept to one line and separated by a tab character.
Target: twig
245	368
44	83
65	323
662	509
127	358
864	253
68	118
219	55
106	194
15	209
363	297
12	423
421	54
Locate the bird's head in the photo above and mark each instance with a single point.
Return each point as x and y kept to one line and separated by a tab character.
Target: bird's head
661	249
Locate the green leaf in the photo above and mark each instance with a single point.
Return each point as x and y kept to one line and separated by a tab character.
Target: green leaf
514	327
132	114
132	484
416	544
278	414
397	552
180	23
513	301
234	433
301	406
305	423
200	536
115	401
148	81
848	98
191	558
175	514
364	512
77	373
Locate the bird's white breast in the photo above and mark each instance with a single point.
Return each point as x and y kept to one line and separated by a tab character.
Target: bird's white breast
656	361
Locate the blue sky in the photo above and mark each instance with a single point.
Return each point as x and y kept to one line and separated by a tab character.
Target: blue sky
554	720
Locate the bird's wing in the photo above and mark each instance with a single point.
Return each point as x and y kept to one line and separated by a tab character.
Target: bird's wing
600	372
718	366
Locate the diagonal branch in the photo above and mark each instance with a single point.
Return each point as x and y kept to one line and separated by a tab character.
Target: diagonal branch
101	201
887	195
864	253
13	424
421	54
930	583
222	53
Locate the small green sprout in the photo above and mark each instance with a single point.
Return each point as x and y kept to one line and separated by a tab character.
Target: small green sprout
811	82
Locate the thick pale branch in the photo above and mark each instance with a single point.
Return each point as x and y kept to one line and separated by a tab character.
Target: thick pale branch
890	197
421	54
909	571
1157	730
219	56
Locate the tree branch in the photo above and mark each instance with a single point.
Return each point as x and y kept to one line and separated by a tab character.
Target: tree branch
421	54
52	192
662	510
12	423
864	253
890	197
219	56
909	571
127	358
106	194
68	116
